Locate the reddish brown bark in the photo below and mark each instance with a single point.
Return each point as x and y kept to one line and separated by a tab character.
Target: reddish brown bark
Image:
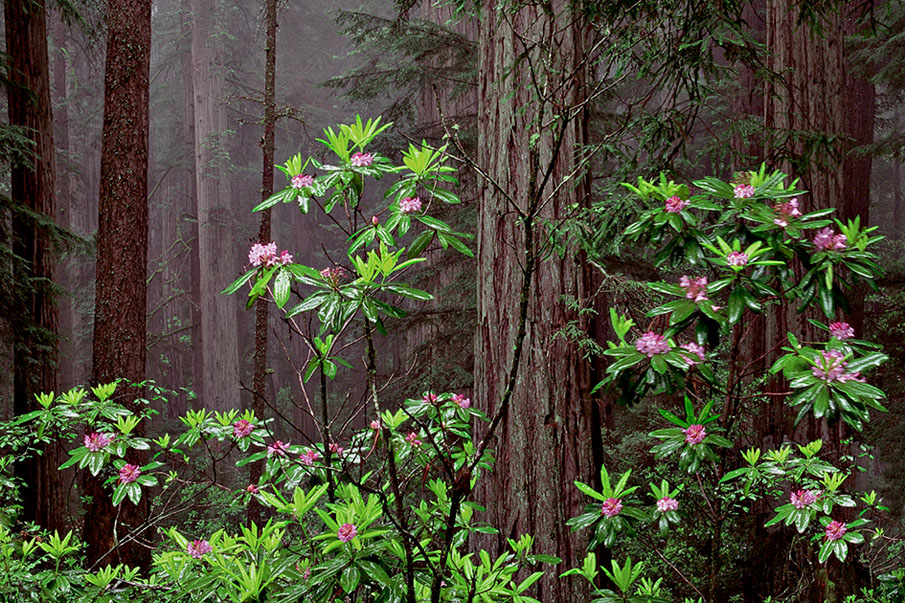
32	188
120	305
544	441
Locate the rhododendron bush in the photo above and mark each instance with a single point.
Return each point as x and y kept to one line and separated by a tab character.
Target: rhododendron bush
382	513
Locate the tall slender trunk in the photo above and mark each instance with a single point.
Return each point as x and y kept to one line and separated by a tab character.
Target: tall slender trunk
32	188
120	320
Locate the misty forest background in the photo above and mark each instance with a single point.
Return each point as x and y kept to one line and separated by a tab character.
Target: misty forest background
708	88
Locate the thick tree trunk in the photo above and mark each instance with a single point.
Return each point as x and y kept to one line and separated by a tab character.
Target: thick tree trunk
120	324
32	187
544	441
220	381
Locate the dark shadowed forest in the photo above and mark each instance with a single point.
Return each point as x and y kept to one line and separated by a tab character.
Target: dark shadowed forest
385	301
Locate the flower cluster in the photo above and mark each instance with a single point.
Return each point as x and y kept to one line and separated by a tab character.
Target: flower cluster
835	530
694	434
375	425
129	473
266	255
97	441
841	330
362	159
743	191
831	367
197	548
309	457
667	504
695	287
410	205
300	181
611	507
675	205
802	498
827	240
347	532
461	401
786	211
413	440
336	449
278	448
334	275
242	428
737	258
695	350
651	344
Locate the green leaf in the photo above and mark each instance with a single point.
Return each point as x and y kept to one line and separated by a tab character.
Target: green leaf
281	288
420	243
237	284
349	578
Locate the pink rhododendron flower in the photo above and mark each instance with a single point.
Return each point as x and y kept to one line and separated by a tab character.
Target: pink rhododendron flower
461	401
694	350
674	204
266	255
831	367
306	574
410	205
336	449
97	441
429	398
667	504
737	258
242	428
278	448
197	548
835	530
744	191
413	440
802	498
302	180
375	425
651	344
362	159
611	507
347	532
841	330
251	489
827	240
695	287
129	473
694	434
334	275
786	211
309	457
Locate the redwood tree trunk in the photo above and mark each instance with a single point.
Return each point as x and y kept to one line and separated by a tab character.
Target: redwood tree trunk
544	441
32	188
120	323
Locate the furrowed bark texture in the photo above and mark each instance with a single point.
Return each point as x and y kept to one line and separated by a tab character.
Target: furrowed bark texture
32	188
543	443
220	380
120	323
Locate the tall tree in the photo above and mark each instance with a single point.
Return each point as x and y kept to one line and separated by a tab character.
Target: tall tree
120	323
532	77
220	380
32	189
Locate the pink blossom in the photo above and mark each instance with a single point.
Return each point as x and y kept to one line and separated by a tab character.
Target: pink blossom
694	350
278	448
744	191
651	344
802	498
347	532
831	367
786	211
302	180
309	457
827	240
413	440
461	401
737	258
835	530
694	434
251	489
375	425
336	449
334	275
841	330
197	548
267	255
129	473
695	287
362	159
97	441
306	574
675	205
285	258
429	398
611	507
410	205
667	504
242	428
